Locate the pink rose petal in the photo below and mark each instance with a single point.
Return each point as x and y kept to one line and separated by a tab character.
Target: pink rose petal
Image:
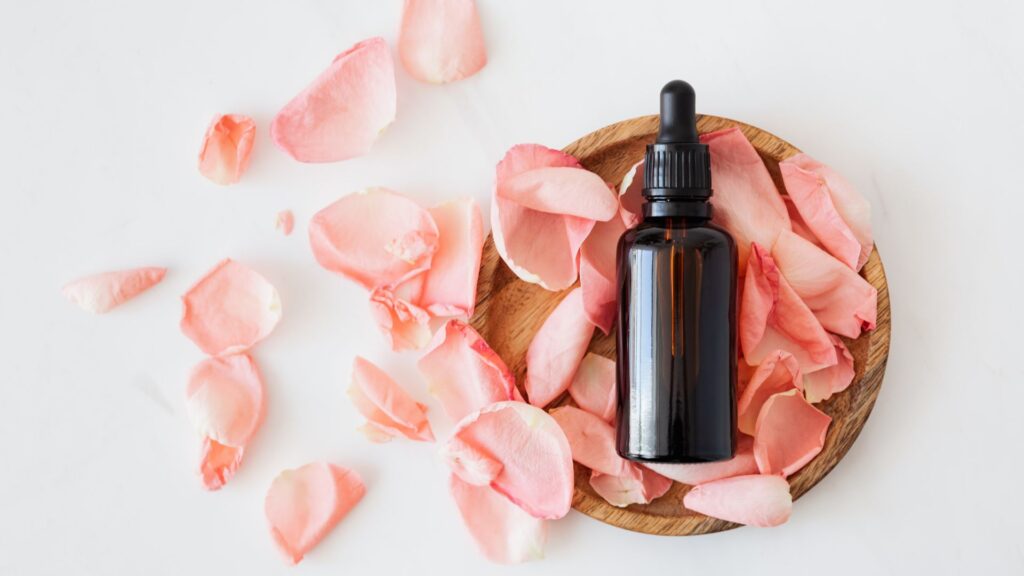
503	531
796	222
773	317
741	464
375	237
441	40
567	190
838	215
789	433
102	292
745	200
631	195
218	463
389	410
535	461
463	372
285	222
450	285
230	309
822	384
598	273
342	112
843	301
593	386
754	500
226	148
638	486
778	372
405	325
305	504
557	349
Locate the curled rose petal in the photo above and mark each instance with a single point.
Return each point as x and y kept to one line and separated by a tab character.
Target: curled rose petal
796	222
441	40
535	461
746	202
773	317
593	386
230	309
503	531
102	292
375	237
838	215
741	464
389	410
342	112
405	325
638	486
778	372
789	433
822	384
598	273
218	463
285	222
843	301
630	195
754	500
449	287
305	504
557	349
227	144
463	372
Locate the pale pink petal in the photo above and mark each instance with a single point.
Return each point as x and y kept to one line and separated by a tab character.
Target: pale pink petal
741	464
503	531
441	40
470	463
591	439
536	463
593	386
230	309
405	325
568	190
450	285
342	112
789	433
227	144
796	222
375	237
745	200
778	372
386	405
631	195
832	208
598	273
557	349
285	222
218	463
843	301
225	399
102	292
305	504
822	384
463	372
638	486
754	500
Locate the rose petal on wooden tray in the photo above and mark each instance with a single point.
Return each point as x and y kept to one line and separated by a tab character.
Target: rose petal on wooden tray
405	325
303	505
227	145
789	433
630	195
388	408
598	273
441	40
342	112
638	485
822	384
741	464
504	532
103	292
449	287
593	386
556	350
230	309
778	372
754	500
285	222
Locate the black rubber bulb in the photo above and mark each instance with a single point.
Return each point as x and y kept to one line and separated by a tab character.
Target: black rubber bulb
678	114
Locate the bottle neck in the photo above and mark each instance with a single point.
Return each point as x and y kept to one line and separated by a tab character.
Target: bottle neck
697	210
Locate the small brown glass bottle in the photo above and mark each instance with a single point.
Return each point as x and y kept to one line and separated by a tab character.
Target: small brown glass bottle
677	305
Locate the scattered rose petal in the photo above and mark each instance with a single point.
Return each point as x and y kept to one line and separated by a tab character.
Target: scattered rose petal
102	292
557	349
230	309
342	112
789	433
388	409
631	195
441	40
822	384
450	285
503	531
405	325
463	372
638	486
375	237
778	372
741	464
838	215
598	273
304	504
285	222
218	463
593	386
754	500
746	202
843	302
535	461
226	148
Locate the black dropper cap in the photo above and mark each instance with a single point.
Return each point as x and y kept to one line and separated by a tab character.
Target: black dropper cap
677	165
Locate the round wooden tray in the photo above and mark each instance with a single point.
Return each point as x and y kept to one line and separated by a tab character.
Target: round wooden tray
509	312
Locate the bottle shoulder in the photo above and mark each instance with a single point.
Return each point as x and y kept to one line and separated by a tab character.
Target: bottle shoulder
656	233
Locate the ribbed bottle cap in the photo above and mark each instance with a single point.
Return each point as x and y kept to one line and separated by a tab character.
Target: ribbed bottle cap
677	165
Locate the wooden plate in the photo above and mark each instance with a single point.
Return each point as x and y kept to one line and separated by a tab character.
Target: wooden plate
510	311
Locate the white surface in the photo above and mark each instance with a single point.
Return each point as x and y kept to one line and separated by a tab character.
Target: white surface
102	111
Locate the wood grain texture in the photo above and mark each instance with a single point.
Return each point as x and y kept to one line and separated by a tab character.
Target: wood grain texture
510	311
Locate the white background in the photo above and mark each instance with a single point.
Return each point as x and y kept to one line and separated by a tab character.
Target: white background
102	109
